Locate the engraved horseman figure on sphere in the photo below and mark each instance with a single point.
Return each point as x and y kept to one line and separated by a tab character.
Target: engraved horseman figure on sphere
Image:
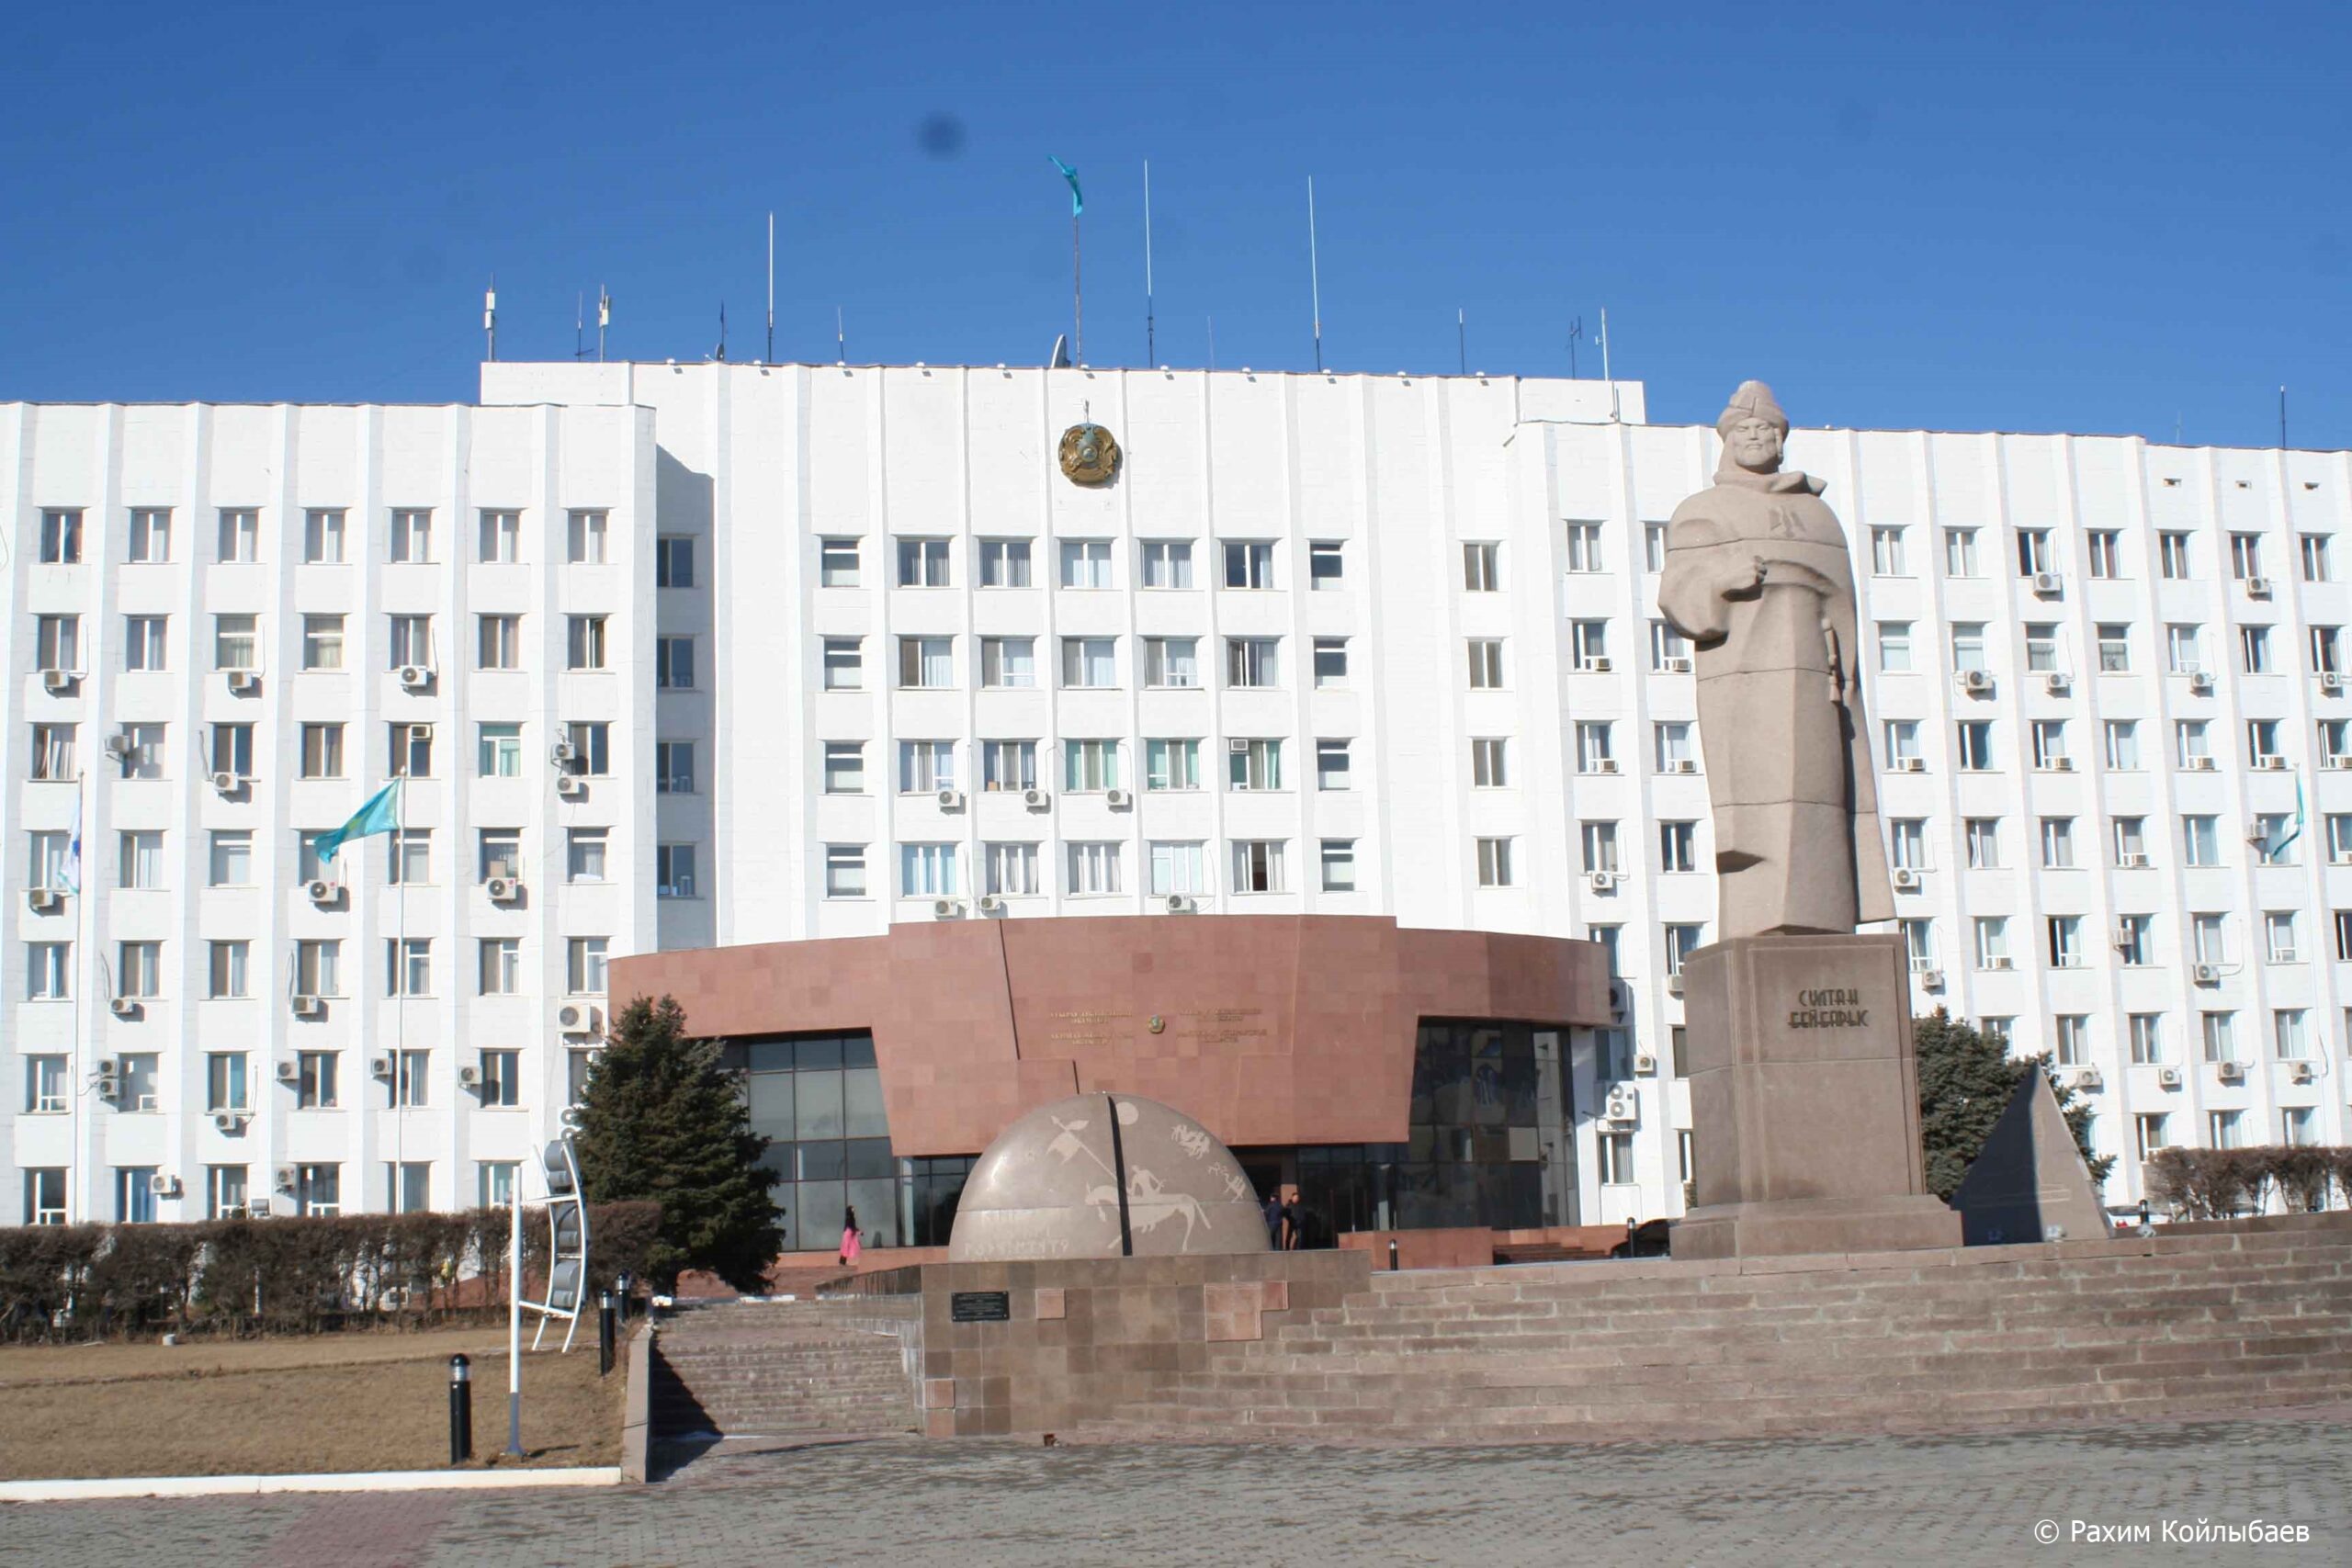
1757	577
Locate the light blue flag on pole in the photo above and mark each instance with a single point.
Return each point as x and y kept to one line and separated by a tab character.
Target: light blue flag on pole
2278	847
380	815
69	875
1077	200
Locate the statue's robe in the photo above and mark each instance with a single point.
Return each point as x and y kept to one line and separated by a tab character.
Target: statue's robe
1789	770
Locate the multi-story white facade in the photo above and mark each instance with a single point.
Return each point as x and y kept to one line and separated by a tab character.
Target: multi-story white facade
1330	643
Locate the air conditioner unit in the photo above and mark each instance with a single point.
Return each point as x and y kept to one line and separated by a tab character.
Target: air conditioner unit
1605	765
323	891
2330	680
258	1209
1624	1104
2272	764
578	1018
1596	665
2199	764
945	908
226	782
2258	588
1675	664
1035	799
2205	973
1910	764
2200	681
2168	1078
2254	835
380	1066
1176	904
469	1078
2048	584
1682	765
229	1121
950	800
504	889
1931	980
59	680
1117	799
2337	763
1906	880
106	1067
1645	1064
2230	1072
289	1071
1621	1000
2131	859
286	1177
164	1185
561	752
2057	683
1976	682
310	1007
2122	935
2000	964
1603	880
1674	984
45	900
569	786
415	677
245	682
2286	955
108	1088
119	746
2303	1072
124	1007
2089	1078
991	903
2061	764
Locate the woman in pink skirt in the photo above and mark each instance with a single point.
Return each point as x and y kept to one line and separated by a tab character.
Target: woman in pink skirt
849	1239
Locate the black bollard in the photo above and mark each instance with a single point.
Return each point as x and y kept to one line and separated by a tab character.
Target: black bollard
604	1333
462	1410
1392	1255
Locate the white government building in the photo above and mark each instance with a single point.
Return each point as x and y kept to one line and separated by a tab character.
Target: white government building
678	655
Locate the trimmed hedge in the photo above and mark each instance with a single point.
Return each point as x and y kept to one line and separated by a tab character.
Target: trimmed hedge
286	1276
2214	1184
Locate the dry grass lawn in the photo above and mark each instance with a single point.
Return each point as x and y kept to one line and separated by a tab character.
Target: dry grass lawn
341	1401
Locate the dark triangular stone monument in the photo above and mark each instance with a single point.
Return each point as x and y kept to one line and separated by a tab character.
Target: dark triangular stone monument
2030	1183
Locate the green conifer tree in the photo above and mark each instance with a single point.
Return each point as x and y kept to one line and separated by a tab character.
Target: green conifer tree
661	1119
1965	1080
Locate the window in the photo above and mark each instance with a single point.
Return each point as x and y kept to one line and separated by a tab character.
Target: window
1593	755
232	750
322	537
1089	663
1090	766
673	561
499	537
1004	563
1902	744
498	751
2328	650
2040	649
143	642
2200	841
1012	869
323	751
844	671
151	536
498	853
1167	563
1330	662
410	641
2191	747
674	663
2314	550
2262	740
1486	663
1171	764
1669	649
922	563
2122	744
1894	647
2035	554
2298	1126
674	871
2050	744
408	1186
61	537
1008	765
2339	839
498	642
224	1192
1587	646
1481	567
52	753
584	956
1983	837
49	971
2171	554
1975	747
2147	1031
1489	763
584	853
2246	556
1887	551
844	871
1253	764
926	662
411	750
2114	647
139	1075
2065	941
1968	646
1248	564
1258	866
926	870
2219	1032
232	857
317	967
1653	546
1093	868
495	1177
134	1194
45	1087
501	1082
1992	942
1583	541
1678	846
1179	868
2344	936
1252	662
1172	661
230	963
2148	1135
2281	932
925	766
2131	841
1008	662
57	642
2184	648
2058	843
2208	938
142	859
1616	1158
2106	553
584	643
224	1081
411	538
2222	1129
837	564
2254	648
236	642
2134	938
1338	858
49	859
844	767
1600	843
1494	863
1960	552
410	854
240	534
585	533
1086	563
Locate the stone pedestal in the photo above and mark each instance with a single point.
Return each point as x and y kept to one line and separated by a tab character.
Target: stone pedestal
1804	1100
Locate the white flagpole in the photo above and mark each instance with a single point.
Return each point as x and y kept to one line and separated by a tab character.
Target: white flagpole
515	1313
400	969
1314	275
1151	339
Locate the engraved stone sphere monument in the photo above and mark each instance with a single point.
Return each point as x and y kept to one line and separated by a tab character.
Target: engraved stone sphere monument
1105	1176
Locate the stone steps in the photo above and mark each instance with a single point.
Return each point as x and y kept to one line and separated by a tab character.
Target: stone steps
778	1368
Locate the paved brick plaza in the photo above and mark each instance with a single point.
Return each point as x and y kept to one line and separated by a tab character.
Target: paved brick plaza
1941	1500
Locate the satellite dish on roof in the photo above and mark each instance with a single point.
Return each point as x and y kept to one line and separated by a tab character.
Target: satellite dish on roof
1059	360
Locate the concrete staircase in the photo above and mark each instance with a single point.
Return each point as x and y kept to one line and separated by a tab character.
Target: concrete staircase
776	1368
1645	1351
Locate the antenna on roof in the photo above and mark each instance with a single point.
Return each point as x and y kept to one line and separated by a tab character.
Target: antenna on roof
1314	274
604	319
579	325
771	358
490	316
1576	331
1212	343
841	337
1461	338
1605	373
2282	418
1150	341
720	355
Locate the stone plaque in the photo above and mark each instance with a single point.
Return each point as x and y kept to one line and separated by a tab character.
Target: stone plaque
980	1306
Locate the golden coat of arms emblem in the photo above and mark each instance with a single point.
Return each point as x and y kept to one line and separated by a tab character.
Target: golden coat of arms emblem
1089	455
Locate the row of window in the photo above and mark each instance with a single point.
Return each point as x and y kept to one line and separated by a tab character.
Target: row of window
1010	662
140	862
228	1193
1171	867
1975	750
317	969
230	1084
2184	648
141	750
2037	554
409	539
927	562
408	641
2133	938
1092	766
2273	836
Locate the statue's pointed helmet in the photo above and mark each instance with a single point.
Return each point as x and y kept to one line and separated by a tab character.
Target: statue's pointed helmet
1753	400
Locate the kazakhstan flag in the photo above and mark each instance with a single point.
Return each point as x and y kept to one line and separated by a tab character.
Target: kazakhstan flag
380	815
1077	200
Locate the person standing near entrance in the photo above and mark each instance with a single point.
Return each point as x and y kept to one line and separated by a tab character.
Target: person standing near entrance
1273	1209
850	1239
1293	1213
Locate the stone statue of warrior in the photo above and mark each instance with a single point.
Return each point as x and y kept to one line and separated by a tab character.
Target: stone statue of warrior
1757	577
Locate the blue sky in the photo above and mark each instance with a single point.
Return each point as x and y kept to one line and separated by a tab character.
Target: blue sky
2069	217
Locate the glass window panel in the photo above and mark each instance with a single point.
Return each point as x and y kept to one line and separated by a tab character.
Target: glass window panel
818	1112
862	1114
